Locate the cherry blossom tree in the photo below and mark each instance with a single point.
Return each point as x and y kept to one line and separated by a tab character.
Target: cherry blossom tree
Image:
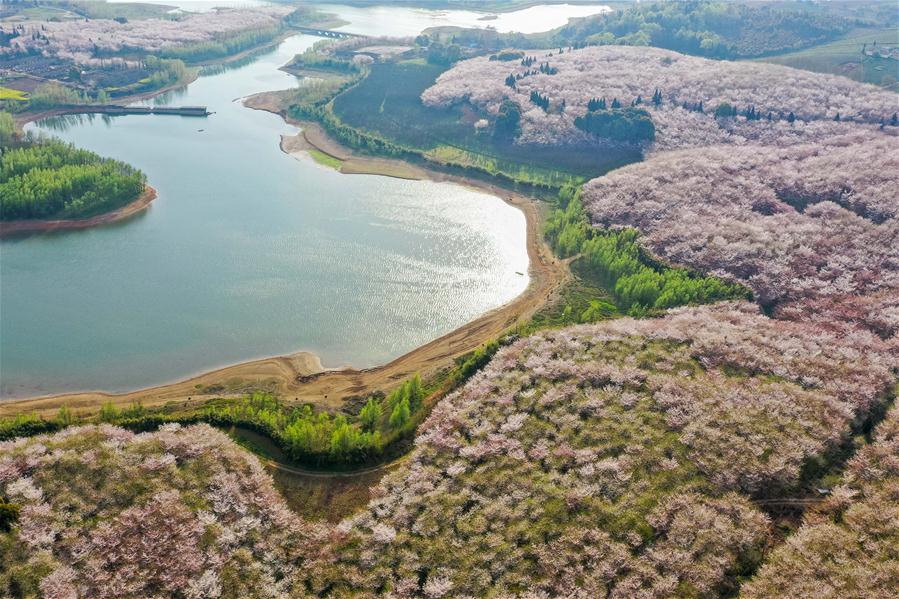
683	83
811	229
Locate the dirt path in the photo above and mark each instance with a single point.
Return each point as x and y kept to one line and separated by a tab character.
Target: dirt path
300	377
323	474
16	227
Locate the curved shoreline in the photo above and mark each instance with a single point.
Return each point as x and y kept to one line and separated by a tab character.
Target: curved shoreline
300	377
18	227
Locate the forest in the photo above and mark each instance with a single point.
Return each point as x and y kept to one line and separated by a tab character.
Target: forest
811	229
711	29
322	439
222	45
51	179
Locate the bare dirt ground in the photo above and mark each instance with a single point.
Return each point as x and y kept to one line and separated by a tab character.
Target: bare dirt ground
300	377
16	227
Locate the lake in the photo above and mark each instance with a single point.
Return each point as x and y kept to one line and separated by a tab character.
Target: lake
246	253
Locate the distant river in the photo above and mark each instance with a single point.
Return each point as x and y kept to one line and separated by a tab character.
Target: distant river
246	253
382	19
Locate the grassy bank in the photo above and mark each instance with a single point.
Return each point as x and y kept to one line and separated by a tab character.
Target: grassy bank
368	430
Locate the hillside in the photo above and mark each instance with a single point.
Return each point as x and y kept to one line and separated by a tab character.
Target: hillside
182	512
721	422
620	459
688	89
615	459
711	29
846	549
812	230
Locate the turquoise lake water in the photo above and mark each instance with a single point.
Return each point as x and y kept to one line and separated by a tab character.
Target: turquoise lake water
246	253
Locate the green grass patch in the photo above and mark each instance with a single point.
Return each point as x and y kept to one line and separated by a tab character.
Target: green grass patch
581	300
325	159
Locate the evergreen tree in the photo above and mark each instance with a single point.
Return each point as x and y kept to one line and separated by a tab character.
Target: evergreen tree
724	110
108	412
540	100
370	415
415	393
616	103
65	417
400	415
508	120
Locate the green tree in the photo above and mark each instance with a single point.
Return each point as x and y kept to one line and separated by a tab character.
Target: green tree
725	110
414	393
508	120
400	415
108	412
65	417
7	129
370	415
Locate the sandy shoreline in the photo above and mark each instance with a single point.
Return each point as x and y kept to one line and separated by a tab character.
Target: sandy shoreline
300	377
17	227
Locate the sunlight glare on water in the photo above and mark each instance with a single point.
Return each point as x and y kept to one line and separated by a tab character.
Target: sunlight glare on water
247	252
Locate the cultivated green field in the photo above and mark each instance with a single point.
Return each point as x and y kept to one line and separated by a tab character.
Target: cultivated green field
7	93
844	57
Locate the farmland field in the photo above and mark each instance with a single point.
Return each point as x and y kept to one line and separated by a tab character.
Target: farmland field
12	94
844	57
